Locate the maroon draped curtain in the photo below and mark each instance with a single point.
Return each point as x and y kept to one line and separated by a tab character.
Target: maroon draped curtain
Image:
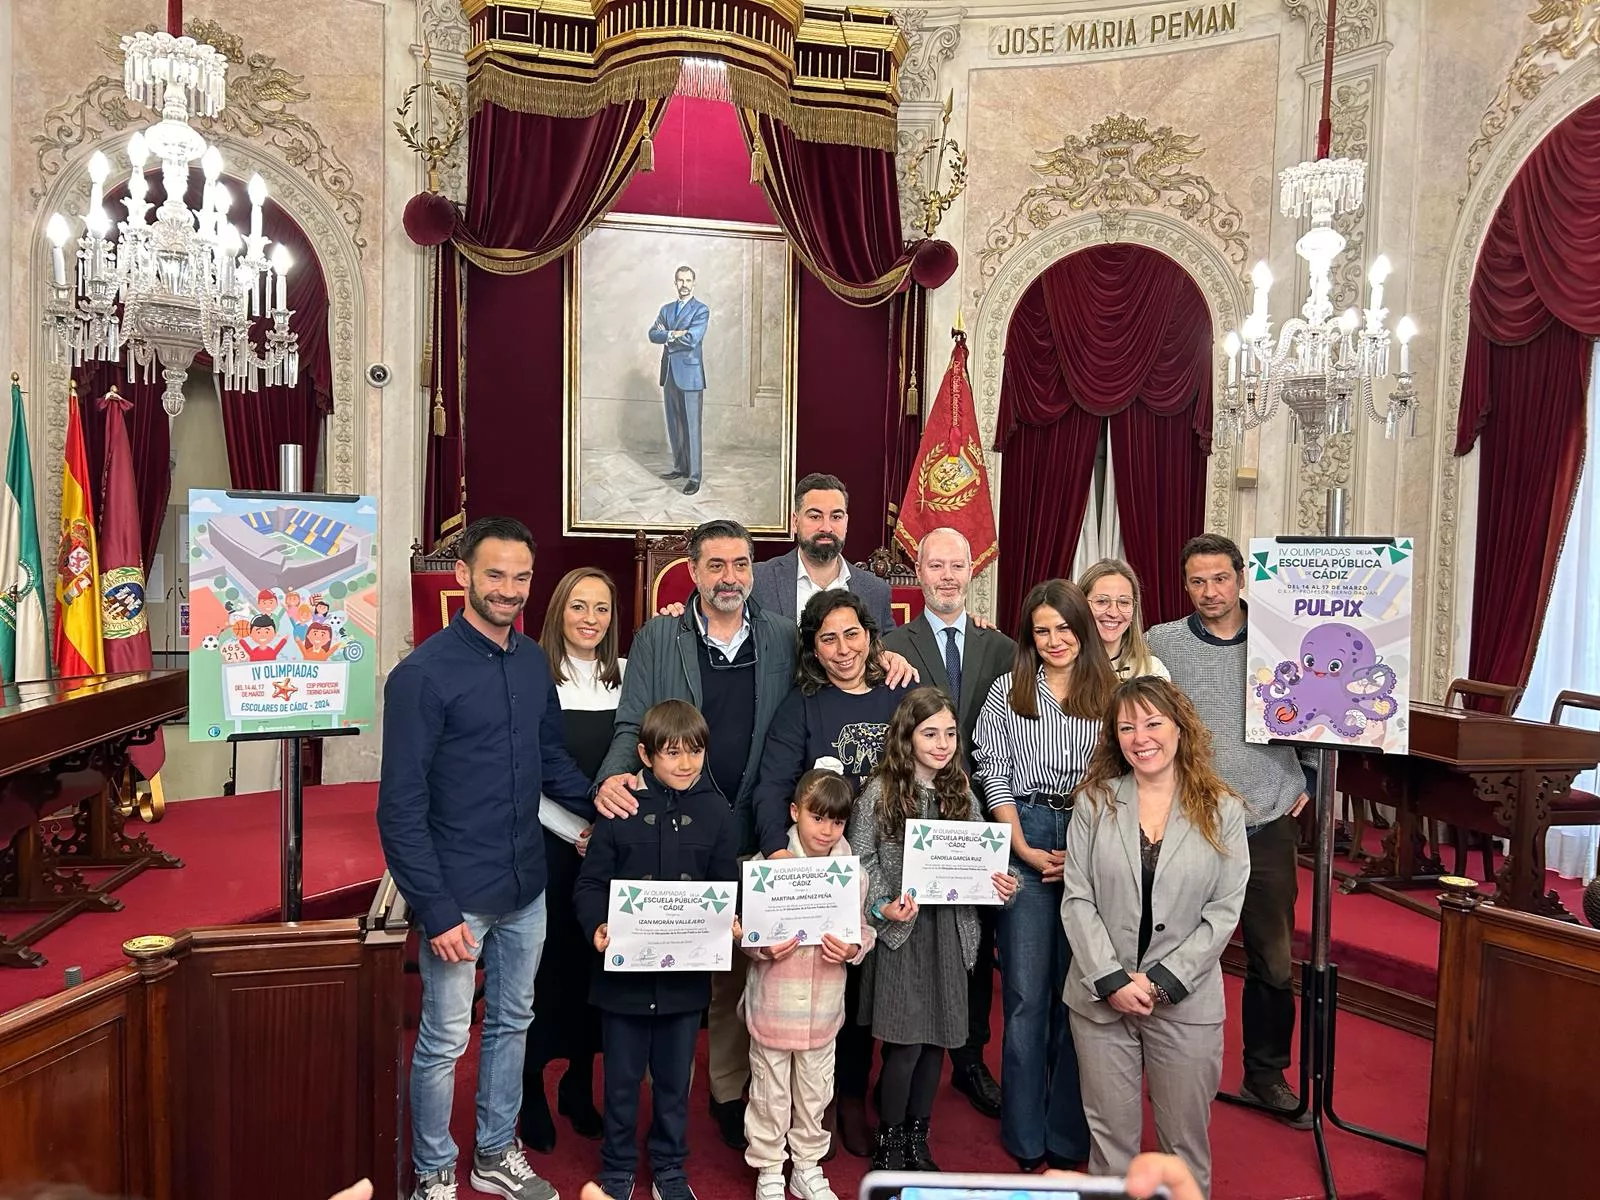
840	206
1105	332
1535	310
902	430
255	424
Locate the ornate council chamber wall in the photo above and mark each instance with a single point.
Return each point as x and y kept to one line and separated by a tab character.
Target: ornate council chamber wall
313	86
1166	124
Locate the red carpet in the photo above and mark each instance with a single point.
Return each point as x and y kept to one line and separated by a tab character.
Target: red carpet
1382	1081
229	847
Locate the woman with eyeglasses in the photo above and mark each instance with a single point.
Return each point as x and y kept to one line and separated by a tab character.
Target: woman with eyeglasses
1036	735
1114	599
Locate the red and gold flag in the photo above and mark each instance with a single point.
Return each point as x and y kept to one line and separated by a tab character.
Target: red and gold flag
124	622
77	642
949	485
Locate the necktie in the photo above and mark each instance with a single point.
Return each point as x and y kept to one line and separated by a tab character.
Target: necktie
952	665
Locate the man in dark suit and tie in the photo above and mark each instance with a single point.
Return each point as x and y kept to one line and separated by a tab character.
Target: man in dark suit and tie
679	330
952	652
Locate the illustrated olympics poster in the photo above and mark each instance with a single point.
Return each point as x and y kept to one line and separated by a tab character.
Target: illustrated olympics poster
1330	642
283	614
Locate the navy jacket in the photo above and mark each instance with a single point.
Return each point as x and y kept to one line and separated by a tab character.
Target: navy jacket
680	357
471	735
674	835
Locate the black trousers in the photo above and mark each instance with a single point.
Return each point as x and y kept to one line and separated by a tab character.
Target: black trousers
980	996
1267	1011
664	1046
852	1048
565	1025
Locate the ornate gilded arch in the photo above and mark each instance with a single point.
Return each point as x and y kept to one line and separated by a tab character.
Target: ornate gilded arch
1560	97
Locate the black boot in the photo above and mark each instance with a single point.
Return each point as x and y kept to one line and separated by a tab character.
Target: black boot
536	1125
575	1100
917	1156
890	1152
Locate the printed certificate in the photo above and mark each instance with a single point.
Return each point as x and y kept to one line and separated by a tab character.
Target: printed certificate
950	862
802	897
670	926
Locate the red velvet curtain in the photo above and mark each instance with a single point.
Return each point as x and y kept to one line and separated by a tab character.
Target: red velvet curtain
1535	310
902	431
1102	333
256	423
840	206
445	466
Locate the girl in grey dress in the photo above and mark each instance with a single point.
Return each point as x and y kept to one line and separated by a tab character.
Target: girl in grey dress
914	991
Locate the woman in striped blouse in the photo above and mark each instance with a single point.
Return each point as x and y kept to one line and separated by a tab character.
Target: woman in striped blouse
1036	735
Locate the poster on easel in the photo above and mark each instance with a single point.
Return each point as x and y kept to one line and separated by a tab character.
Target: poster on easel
1329	648
283	614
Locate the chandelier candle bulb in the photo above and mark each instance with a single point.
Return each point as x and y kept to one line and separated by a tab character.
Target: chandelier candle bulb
281	263
257	191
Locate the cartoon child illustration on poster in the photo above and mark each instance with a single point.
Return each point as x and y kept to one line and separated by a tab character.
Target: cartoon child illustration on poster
283	613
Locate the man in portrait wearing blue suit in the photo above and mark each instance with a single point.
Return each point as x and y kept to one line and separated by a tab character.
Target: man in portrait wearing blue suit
679	329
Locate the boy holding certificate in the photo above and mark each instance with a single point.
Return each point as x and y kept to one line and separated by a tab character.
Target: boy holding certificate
794	1007
649	1021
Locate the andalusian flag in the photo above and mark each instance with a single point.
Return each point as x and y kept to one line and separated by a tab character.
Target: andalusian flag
78	647
24	643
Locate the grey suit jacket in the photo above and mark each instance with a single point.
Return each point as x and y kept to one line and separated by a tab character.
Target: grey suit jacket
664	664
775	589
1195	903
988	656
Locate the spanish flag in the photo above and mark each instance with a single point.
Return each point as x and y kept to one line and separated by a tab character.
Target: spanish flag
78	648
949	486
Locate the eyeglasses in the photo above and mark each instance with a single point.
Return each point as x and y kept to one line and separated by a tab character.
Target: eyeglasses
1123	604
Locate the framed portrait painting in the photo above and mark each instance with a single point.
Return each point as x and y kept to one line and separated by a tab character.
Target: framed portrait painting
680	376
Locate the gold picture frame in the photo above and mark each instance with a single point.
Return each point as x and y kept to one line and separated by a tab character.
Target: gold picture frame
625	428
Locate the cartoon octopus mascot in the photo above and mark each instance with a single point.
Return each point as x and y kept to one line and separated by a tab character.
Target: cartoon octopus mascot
1338	681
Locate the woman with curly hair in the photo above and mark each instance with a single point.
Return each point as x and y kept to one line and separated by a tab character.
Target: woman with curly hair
914	994
1156	868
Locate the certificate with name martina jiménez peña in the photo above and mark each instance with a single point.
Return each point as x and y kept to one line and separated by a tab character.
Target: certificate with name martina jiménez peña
803	898
950	862
670	926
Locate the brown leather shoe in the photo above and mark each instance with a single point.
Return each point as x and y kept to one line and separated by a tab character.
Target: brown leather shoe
854	1131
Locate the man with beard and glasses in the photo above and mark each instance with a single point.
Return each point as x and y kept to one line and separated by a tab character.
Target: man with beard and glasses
472	733
820	521
733	658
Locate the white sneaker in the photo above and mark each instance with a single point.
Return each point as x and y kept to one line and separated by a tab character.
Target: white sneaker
769	1184
809	1183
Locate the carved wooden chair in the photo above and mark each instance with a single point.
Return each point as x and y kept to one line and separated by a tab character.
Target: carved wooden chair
1577	807
905	593
1502	700
661	573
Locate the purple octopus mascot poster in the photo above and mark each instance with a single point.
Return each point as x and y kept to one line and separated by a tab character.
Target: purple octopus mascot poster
1330	643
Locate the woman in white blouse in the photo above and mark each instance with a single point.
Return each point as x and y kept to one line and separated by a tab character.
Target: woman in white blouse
1036	734
580	640
1116	602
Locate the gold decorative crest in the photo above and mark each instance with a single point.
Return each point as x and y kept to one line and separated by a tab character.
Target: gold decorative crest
1120	163
948	481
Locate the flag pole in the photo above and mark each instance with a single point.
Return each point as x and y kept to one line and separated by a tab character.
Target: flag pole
291	793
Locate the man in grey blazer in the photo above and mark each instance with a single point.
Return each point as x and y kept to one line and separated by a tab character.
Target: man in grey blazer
950	651
819	522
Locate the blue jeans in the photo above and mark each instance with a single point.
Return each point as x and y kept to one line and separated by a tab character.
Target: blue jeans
1041	1110
510	946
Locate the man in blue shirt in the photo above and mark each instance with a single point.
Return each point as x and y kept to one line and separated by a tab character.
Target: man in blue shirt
471	734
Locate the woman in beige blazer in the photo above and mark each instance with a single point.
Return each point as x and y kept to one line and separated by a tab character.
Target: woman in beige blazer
1154	880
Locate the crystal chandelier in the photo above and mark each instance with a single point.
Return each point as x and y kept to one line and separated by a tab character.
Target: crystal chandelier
164	290
1321	366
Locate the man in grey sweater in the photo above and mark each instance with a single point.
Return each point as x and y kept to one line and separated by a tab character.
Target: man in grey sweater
1206	655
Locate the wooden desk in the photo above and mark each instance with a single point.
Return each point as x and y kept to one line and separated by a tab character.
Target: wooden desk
63	746
1497	775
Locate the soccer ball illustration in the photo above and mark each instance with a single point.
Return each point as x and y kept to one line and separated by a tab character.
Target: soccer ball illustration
209	642
336	622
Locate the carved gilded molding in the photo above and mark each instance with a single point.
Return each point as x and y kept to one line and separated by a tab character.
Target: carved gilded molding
1120	164
1555	100
927	47
1360	24
1569	29
1204	256
442	28
327	230
261	100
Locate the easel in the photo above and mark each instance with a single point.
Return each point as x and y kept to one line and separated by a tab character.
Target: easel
1319	977
291	789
